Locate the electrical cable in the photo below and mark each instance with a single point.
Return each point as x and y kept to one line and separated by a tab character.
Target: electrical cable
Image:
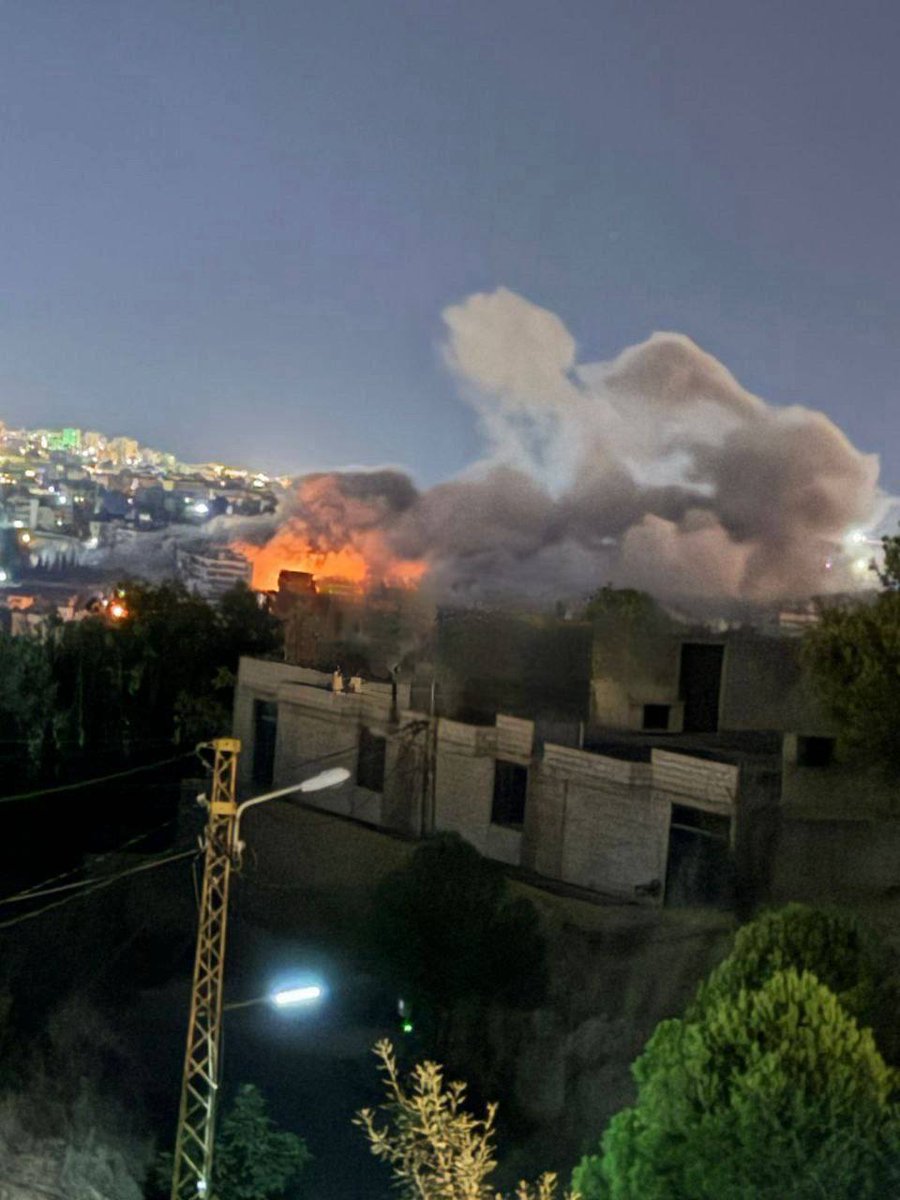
98	886
83	783
43	888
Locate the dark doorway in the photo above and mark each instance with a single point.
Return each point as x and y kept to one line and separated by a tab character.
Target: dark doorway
700	869
510	791
370	761
700	685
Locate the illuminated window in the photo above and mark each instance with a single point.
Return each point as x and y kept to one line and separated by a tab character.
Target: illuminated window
370	763
510	789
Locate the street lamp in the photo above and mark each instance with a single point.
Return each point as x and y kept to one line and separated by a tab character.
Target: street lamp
200	1080
284	998
333	777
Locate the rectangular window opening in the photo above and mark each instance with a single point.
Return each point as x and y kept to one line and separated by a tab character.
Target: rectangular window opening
656	716
510	790
815	751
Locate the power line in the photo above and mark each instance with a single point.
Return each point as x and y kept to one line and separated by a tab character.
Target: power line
44	889
83	783
98	886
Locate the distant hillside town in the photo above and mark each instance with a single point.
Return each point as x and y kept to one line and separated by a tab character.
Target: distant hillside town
78	507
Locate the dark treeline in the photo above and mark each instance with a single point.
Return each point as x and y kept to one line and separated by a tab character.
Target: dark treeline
92	697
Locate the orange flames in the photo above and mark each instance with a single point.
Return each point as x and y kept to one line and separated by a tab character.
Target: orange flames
365	566
337	532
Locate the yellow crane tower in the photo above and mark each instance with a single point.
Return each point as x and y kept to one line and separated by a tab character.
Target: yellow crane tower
192	1169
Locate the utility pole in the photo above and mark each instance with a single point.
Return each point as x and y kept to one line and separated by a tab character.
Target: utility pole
195	1139
191	1175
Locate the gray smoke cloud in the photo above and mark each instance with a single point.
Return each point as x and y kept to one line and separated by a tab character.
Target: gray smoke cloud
656	470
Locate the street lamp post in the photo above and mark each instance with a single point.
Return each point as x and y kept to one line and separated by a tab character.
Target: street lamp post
192	1169
286	998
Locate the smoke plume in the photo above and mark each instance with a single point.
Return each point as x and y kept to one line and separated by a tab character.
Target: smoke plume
656	470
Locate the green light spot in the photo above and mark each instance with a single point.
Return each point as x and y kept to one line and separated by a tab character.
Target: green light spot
407	1026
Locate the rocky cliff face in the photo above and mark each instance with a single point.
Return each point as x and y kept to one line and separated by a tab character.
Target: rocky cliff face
79	1161
614	974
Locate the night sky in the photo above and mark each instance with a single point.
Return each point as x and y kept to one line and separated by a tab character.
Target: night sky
230	229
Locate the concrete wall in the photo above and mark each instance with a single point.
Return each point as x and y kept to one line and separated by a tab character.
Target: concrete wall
603	823
593	822
324	727
838	789
764	686
694	782
834	860
465	764
259	679
632	665
318	728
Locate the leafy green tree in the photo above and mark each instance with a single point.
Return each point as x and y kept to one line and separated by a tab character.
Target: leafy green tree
445	931
255	1160
776	1092
830	944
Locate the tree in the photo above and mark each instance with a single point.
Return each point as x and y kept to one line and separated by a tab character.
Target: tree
853	656
435	1148
768	1088
255	1160
27	696
164	672
246	626
830	944
628	604
444	930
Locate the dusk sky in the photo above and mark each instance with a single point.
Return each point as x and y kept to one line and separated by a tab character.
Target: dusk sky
230	229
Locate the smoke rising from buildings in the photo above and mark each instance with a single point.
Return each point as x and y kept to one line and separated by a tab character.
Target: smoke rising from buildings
656	470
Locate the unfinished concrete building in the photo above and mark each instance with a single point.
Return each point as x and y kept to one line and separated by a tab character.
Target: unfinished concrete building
681	767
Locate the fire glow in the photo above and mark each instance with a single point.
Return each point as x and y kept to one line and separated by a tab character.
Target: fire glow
289	551
336	528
